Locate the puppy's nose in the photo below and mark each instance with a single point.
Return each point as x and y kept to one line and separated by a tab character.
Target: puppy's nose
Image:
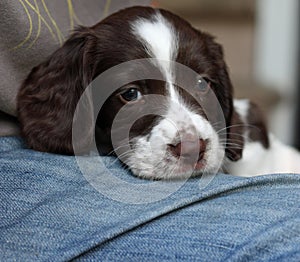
189	150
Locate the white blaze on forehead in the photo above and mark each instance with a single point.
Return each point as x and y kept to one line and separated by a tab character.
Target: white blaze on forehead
160	39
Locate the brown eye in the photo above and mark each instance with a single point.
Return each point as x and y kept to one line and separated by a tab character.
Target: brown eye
131	95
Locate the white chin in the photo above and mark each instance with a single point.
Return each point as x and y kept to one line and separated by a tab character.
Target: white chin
164	170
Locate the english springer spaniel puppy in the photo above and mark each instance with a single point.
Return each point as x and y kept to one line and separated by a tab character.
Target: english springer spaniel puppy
180	141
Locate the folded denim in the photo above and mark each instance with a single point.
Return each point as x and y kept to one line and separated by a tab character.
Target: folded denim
49	211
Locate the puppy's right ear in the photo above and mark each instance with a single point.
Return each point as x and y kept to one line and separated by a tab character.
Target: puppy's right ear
47	99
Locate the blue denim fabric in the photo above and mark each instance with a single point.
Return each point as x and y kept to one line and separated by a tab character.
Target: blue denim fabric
49	212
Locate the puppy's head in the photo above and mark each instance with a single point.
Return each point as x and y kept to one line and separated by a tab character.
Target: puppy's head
179	140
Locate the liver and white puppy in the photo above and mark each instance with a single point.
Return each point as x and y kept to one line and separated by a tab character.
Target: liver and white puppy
180	141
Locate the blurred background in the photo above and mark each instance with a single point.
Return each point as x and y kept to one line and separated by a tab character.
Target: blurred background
260	40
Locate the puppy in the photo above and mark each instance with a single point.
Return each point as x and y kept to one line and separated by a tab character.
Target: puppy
185	138
263	153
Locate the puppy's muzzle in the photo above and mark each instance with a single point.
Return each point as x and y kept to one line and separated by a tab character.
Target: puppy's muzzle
190	151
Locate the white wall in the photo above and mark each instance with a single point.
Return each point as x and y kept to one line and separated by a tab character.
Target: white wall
275	63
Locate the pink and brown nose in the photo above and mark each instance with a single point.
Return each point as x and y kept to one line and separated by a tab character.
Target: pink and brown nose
190	151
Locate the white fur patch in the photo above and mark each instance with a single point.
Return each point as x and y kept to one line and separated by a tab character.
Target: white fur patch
161	42
242	106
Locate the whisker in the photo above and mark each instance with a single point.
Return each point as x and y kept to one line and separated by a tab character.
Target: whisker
230	143
216	123
120	156
230	140
231	126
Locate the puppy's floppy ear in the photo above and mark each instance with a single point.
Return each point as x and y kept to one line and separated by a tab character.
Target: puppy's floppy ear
48	97
247	125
